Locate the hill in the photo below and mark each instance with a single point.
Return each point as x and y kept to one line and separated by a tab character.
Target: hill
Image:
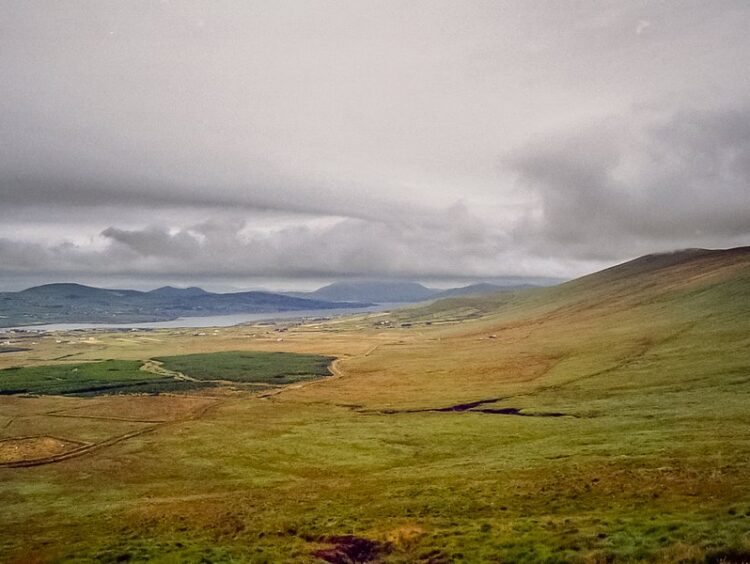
390	291
619	397
171	291
651	279
378	291
70	291
76	303
479	289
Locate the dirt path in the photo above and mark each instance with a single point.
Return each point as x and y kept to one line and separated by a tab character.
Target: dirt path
91	447
77	451
336	373
156	367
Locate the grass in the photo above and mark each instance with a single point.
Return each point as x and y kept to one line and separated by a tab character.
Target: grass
652	364
250	366
107	377
126	377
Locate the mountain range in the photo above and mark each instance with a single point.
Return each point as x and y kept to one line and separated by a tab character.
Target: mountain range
76	303
389	291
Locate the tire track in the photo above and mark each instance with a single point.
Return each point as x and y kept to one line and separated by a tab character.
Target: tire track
336	373
76	452
156	367
92	447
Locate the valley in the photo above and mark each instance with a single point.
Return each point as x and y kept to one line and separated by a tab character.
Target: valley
601	420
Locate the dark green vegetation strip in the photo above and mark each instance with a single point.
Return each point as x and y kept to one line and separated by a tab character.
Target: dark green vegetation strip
126	377
108	377
12	349
251	367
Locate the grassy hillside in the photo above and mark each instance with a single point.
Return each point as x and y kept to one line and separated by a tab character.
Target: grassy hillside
604	420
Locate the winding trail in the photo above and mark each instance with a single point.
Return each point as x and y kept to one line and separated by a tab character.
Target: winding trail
157	367
336	373
91	447
76	451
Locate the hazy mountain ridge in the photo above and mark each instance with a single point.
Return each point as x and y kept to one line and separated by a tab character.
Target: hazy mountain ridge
67	302
76	303
388	291
480	289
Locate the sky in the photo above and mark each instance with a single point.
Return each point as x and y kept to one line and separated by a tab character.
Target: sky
239	144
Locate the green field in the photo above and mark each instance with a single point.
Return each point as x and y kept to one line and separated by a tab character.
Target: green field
249	366
107	377
646	367
127	377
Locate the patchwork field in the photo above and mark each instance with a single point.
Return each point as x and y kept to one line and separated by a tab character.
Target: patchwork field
168	374
604	420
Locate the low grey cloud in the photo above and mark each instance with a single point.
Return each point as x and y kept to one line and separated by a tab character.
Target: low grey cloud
344	247
450	244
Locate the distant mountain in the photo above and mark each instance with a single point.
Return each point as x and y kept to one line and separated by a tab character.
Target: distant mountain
479	289
76	303
371	291
397	291
70	291
171	291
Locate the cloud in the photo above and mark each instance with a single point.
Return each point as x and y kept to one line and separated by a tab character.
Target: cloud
156	242
448	242
622	186
453	242
642	26
641	182
335	138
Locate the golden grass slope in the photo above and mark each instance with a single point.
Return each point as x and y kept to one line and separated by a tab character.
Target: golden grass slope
587	329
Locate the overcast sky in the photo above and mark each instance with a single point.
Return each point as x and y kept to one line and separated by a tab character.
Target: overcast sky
239	143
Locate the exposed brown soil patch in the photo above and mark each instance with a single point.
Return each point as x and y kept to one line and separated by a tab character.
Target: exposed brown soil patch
78	450
458	407
515	411
729	557
349	549
465	406
198	409
474	407
28	448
